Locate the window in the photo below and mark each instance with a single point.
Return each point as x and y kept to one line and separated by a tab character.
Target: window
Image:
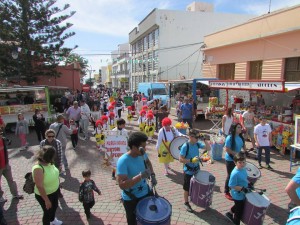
292	69
226	71
255	70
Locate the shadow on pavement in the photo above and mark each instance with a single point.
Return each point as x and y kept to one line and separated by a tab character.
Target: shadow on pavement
12	211
66	213
95	220
212	216
70	183
176	177
278	214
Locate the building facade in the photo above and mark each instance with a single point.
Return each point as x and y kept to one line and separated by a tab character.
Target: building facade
120	67
167	44
264	48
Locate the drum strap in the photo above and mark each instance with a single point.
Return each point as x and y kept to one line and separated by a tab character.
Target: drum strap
187	152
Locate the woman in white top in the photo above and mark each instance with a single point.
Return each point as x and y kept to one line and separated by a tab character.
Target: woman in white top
227	120
138	105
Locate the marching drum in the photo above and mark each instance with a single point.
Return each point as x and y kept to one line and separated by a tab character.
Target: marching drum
202	188
253	172
294	217
153	211
255	208
176	144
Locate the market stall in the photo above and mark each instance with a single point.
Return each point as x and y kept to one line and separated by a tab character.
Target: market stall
278	101
214	112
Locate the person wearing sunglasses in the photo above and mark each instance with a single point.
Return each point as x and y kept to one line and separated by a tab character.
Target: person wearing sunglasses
56	144
189	156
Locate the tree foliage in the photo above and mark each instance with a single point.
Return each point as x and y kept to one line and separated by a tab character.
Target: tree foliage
73	57
39	29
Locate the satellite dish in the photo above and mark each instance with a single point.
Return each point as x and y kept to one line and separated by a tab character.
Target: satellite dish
14	55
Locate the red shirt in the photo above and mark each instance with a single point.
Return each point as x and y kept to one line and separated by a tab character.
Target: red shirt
2	155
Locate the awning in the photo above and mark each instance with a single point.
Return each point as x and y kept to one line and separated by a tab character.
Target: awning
206	82
291	86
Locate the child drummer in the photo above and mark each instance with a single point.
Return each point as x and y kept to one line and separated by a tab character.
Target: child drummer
189	156
238	184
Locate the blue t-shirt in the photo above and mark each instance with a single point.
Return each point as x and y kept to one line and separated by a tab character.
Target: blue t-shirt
238	146
296	179
130	166
238	177
186	110
193	151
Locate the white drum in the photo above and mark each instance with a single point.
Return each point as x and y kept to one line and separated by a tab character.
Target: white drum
253	172
176	144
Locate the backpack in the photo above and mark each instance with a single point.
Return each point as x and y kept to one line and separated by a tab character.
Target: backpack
29	183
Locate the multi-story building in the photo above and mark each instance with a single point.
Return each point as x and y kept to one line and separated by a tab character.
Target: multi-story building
262	54
167	44
120	67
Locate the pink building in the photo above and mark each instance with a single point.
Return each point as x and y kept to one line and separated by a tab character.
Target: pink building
265	48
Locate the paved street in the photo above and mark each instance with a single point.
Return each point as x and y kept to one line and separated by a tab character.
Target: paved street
109	210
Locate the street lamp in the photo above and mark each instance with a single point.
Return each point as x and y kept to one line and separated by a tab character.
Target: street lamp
90	72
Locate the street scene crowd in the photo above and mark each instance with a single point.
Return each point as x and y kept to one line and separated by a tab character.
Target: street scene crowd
81	116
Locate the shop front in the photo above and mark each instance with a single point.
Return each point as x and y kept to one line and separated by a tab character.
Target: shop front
278	101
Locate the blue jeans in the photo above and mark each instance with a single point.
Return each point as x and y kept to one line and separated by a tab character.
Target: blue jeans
267	154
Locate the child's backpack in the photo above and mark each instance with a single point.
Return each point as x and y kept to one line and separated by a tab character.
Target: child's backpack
29	183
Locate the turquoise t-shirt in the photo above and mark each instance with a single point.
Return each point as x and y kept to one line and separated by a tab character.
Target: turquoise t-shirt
130	166
238	177
238	146
296	179
193	151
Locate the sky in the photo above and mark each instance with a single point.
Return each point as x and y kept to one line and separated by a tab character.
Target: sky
101	25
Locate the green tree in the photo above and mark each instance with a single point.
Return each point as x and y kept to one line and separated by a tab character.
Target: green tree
39	30
73	57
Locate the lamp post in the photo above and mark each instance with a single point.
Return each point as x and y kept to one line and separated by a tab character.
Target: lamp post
90	72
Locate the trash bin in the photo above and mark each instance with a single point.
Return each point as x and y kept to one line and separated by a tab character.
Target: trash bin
128	100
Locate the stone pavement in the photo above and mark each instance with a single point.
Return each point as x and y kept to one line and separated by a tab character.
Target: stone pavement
109	211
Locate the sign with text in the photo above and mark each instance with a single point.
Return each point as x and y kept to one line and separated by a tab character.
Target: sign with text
249	85
116	146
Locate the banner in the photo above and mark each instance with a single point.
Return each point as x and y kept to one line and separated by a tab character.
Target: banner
116	146
248	85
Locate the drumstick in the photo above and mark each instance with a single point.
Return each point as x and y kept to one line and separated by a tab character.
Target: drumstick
142	150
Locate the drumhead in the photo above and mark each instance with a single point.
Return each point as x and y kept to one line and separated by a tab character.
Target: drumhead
252	170
175	146
258	200
153	209
204	177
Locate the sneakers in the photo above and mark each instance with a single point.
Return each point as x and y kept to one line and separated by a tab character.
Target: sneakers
3	200
188	207
228	196
18	197
56	222
260	166
229	216
269	167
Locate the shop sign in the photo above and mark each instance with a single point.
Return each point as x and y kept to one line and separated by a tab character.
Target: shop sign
250	85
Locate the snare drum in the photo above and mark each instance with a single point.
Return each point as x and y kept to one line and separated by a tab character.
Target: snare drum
202	188
253	172
153	211
176	144
255	208
294	217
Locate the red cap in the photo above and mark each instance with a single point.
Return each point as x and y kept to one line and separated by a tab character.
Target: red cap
166	121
